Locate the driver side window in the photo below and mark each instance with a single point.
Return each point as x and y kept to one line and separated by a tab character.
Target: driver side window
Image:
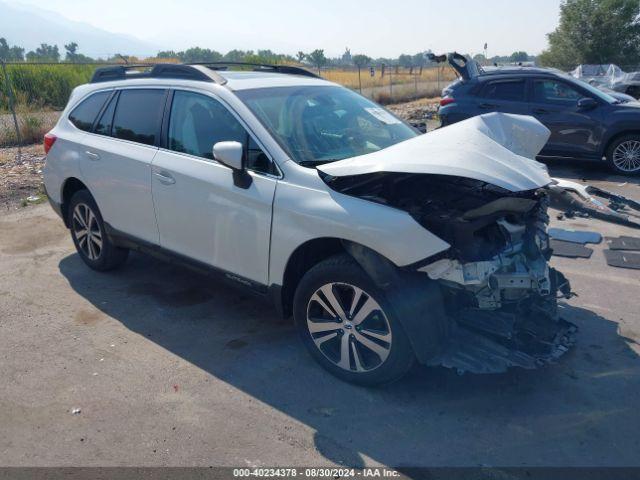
197	122
552	91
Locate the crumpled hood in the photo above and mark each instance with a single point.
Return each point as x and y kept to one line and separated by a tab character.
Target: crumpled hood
497	148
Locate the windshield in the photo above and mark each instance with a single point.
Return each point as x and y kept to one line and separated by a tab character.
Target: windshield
320	124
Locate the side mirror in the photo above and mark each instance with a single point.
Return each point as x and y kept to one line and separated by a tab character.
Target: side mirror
587	103
229	154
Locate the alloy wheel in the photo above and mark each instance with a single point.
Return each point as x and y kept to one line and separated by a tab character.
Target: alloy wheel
349	327
626	156
86	231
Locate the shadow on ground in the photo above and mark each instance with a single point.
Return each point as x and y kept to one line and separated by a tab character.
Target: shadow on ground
575	412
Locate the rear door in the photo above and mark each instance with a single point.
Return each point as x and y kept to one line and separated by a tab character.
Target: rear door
117	160
503	95
574	132
202	213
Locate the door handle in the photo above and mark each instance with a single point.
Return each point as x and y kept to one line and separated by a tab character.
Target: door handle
540	110
487	105
165	178
92	156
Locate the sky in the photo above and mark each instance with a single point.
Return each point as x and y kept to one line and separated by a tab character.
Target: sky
378	28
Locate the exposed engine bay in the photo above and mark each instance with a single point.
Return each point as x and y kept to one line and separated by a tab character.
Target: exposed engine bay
499	293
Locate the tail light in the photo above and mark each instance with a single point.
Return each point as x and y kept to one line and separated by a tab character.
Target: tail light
446	101
49	140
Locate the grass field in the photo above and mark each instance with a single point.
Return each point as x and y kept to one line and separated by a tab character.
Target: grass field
349	78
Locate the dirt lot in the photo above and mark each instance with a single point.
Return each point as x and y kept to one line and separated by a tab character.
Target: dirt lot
170	368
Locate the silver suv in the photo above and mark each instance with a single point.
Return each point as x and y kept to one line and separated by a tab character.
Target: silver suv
386	245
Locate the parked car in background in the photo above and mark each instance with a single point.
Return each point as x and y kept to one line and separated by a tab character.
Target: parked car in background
585	122
609	76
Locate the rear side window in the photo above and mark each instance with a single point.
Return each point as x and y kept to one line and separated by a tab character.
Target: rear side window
138	116
512	91
85	114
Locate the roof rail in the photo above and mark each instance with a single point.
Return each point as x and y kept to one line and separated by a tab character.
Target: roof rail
206	71
258	67
159	70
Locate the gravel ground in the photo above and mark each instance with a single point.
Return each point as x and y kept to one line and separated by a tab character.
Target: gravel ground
20	176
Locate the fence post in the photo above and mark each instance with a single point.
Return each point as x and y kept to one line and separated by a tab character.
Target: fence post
9	87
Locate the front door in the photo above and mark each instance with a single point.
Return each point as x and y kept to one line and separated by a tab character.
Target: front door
574	132
202	214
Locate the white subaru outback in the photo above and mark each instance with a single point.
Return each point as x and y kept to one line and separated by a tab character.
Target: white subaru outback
387	246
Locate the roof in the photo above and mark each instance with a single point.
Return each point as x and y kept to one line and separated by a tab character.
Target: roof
244	80
513	70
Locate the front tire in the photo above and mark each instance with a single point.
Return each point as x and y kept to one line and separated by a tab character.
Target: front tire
349	326
89	236
623	155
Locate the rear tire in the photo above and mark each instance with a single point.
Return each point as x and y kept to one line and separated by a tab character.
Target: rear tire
330	311
89	235
623	155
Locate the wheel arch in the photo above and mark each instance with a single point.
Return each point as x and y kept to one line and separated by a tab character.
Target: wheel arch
70	186
378	267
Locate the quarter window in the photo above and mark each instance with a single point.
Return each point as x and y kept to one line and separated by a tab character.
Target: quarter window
551	91
138	115
509	91
198	122
85	114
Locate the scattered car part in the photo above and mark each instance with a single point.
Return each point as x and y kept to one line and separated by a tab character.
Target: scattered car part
623	243
575	236
622	259
572	197
563	248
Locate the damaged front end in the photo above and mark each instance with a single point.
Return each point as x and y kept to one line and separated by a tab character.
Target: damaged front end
499	293
476	186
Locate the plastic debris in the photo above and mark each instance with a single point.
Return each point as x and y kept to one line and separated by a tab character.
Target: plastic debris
75	411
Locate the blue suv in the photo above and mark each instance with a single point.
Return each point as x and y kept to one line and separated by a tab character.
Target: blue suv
585	122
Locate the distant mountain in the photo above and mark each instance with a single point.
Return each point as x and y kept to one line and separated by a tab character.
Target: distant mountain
28	27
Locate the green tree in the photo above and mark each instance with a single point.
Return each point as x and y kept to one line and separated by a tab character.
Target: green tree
167	54
301	56
594	31
10	54
44	53
361	60
197	54
405	60
480	58
519	57
317	58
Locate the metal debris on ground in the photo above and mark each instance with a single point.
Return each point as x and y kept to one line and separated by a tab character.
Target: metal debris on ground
575	236
622	259
569	249
580	200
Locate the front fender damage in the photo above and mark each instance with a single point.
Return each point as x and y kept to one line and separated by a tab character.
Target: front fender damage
490	301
